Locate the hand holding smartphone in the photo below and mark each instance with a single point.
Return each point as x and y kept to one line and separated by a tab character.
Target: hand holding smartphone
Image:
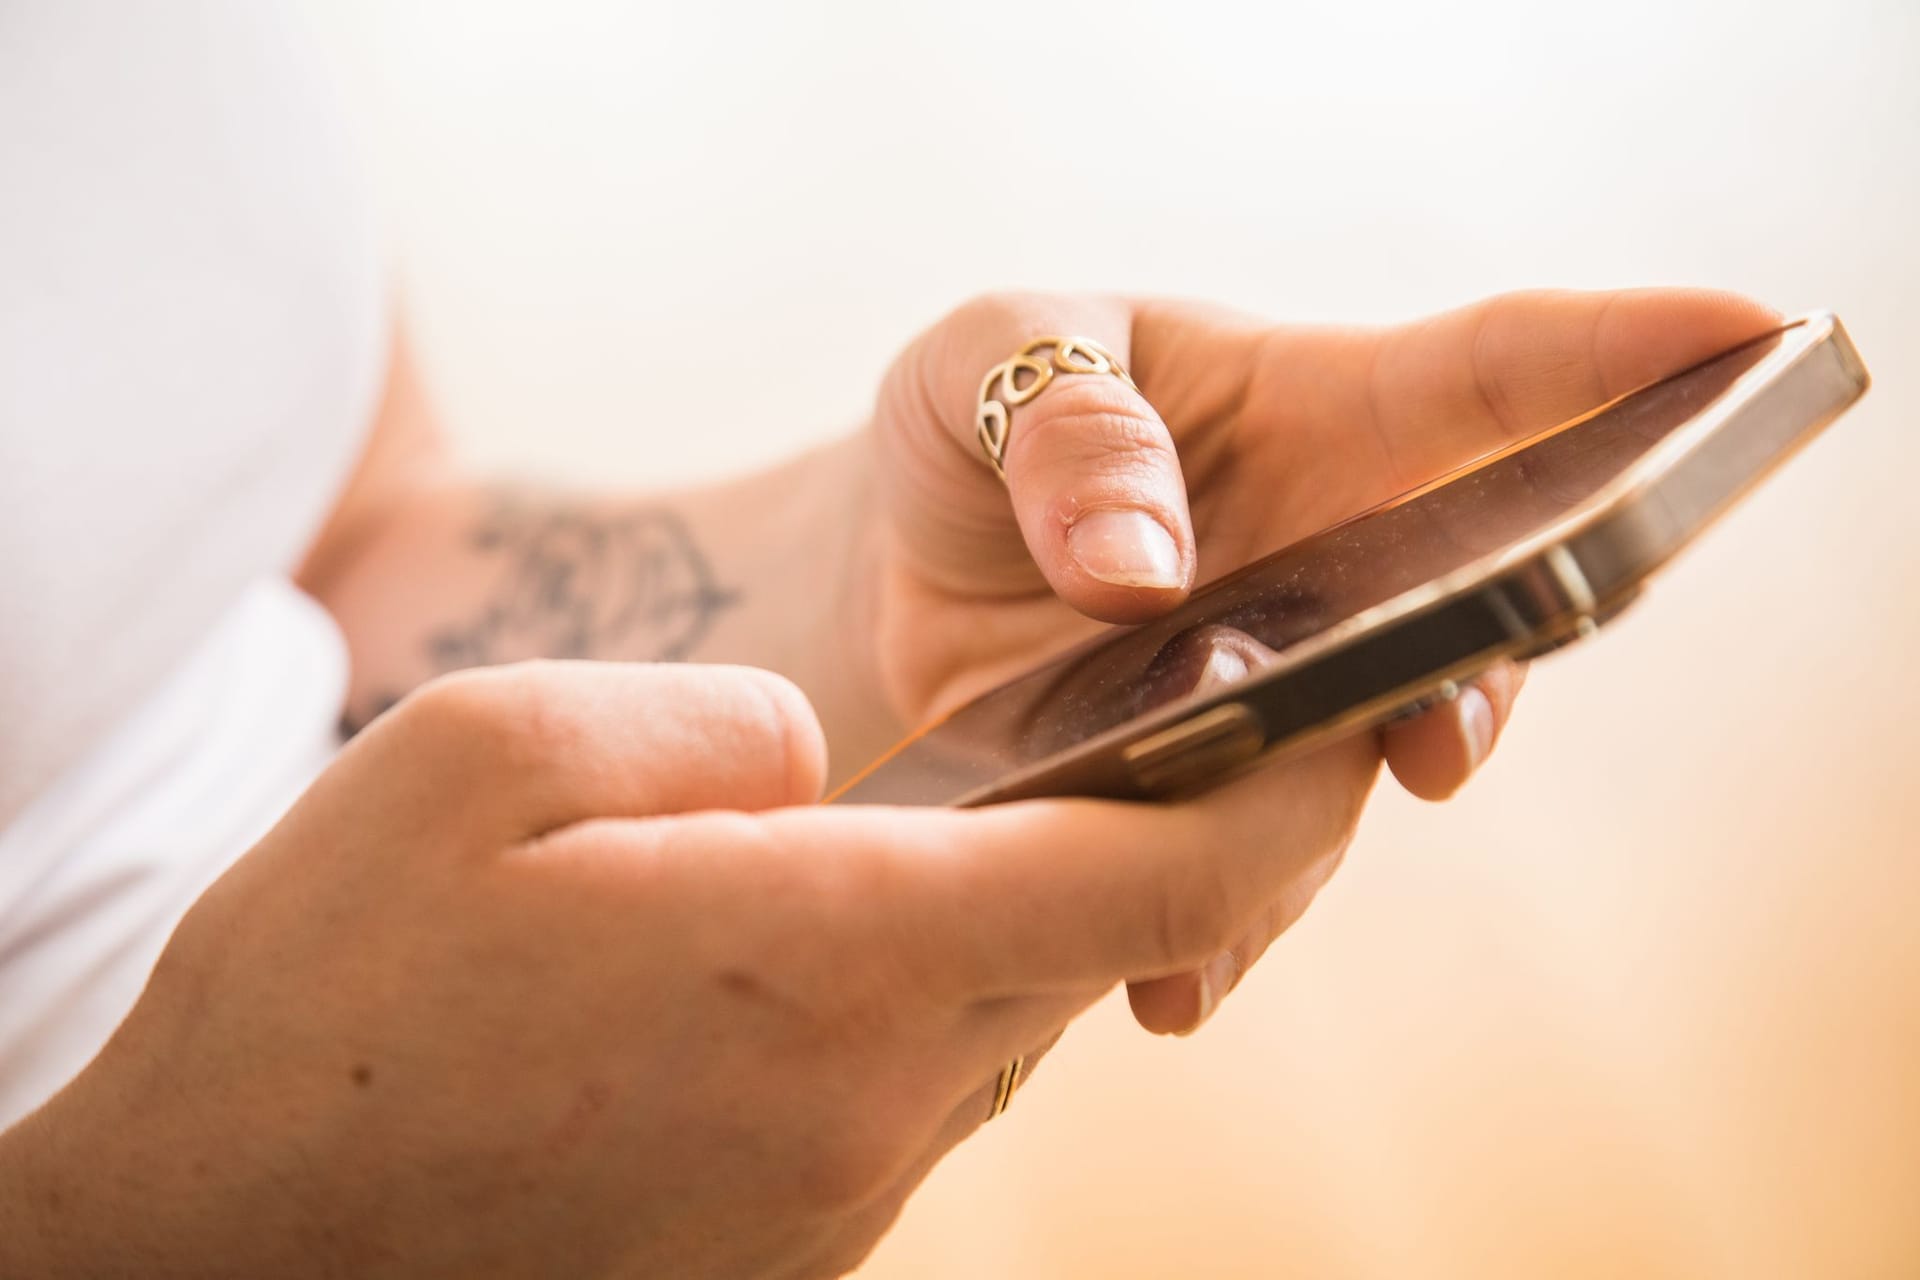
1509	557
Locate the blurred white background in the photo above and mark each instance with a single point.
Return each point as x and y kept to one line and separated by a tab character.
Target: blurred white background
1647	1000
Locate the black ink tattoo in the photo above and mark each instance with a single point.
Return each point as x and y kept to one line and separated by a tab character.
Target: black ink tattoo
579	585
576	584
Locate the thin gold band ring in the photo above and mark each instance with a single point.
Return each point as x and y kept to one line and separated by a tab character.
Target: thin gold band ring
1024	375
1003	1088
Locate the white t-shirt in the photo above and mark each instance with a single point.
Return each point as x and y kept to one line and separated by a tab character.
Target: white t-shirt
192	338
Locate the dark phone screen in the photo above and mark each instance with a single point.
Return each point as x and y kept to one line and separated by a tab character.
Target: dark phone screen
1229	630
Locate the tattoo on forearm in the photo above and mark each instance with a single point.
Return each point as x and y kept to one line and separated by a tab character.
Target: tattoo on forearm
577	584
580	585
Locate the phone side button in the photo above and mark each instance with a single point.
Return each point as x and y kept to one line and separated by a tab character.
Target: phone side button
1211	742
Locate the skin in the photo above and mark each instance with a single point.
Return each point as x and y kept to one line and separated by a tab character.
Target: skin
893	576
558	966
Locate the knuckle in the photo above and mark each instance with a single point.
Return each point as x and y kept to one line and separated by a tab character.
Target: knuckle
791	725
449	707
500	714
1092	423
997	311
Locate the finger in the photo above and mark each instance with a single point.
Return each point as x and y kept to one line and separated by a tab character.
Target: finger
1402	405
1179	1004
1068	897
1434	753
1472	380
1094	485
535	746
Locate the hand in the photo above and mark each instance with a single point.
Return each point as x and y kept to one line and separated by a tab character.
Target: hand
1242	438
502	994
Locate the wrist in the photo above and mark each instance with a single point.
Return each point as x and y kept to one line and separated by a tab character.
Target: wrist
839	662
776	569
798	550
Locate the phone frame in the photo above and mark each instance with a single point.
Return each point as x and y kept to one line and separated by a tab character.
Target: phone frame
1522	601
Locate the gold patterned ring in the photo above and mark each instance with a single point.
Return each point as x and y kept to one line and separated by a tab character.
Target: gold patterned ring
1003	1087
1024	375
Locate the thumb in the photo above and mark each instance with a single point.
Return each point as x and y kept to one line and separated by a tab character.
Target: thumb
1094	495
516	751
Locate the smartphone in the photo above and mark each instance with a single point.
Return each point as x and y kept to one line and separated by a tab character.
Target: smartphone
1512	556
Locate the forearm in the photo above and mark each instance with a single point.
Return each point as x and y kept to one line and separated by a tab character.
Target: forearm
769	570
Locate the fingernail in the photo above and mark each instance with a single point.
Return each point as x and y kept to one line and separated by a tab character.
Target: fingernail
1224	667
1476	725
1216	979
1125	547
